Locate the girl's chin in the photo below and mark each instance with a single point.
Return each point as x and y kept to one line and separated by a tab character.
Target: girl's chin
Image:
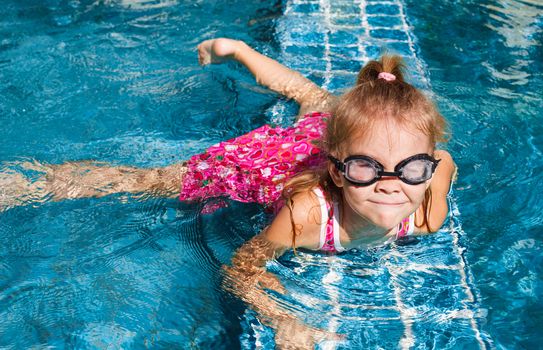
384	216
386	220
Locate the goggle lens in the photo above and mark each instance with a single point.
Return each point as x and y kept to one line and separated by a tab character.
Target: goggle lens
360	170
417	170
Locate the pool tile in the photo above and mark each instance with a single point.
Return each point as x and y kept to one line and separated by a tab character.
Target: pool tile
345	52
346	21
304	37
340	82
389	34
382	9
384	21
306	8
343	37
302	50
349	66
401	48
373	51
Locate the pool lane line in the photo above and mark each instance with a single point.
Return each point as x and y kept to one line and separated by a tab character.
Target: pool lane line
465	274
325	5
411	42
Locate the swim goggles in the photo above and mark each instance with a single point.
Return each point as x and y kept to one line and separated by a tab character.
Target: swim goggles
364	171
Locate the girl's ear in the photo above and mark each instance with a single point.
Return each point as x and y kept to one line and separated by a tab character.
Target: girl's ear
335	175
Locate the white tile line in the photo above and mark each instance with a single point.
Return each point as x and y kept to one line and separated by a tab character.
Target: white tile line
406	314
325	5
470	298
329	282
364	18
466	276
420	67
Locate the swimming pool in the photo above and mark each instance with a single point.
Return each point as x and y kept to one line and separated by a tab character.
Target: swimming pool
118	81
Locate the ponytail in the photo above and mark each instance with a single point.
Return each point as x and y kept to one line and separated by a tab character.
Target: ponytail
387	64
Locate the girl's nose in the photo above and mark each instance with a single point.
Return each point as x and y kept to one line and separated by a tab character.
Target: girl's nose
388	184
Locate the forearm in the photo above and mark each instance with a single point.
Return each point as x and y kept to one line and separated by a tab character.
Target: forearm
250	290
247	278
277	77
267	71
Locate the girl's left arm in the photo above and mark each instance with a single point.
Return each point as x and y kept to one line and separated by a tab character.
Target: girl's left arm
440	186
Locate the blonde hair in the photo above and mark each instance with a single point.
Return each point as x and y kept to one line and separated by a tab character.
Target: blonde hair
371	100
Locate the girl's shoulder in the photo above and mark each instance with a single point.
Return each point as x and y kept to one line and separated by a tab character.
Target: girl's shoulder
304	216
323	105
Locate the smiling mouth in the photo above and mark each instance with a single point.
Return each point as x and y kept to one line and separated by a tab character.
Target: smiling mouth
387	203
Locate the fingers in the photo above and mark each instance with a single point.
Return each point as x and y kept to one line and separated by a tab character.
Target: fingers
204	52
293	334
216	50
321	335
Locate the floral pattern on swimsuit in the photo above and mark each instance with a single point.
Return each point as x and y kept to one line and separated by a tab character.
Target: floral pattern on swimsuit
254	167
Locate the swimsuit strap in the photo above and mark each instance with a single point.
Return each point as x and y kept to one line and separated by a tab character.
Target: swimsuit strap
406	227
325	208
329	234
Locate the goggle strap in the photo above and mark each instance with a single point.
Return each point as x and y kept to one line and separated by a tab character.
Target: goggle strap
435	163
339	164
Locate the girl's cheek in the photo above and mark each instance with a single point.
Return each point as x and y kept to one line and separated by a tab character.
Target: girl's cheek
416	194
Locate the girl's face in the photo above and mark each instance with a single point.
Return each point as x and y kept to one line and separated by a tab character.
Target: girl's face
389	200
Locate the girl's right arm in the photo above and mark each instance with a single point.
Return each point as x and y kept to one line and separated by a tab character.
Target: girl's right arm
247	278
268	72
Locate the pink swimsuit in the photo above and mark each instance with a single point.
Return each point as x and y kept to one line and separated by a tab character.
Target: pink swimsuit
329	235
254	167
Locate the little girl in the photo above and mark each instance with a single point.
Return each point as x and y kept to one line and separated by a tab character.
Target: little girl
355	171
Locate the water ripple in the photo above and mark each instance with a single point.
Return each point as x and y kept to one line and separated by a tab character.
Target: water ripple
517	21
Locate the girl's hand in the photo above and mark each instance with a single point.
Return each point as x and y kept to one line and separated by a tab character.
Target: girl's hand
217	50
293	334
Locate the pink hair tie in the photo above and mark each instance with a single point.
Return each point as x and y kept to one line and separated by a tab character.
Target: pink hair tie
387	76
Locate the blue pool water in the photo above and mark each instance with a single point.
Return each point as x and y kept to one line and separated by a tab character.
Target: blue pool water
118	81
